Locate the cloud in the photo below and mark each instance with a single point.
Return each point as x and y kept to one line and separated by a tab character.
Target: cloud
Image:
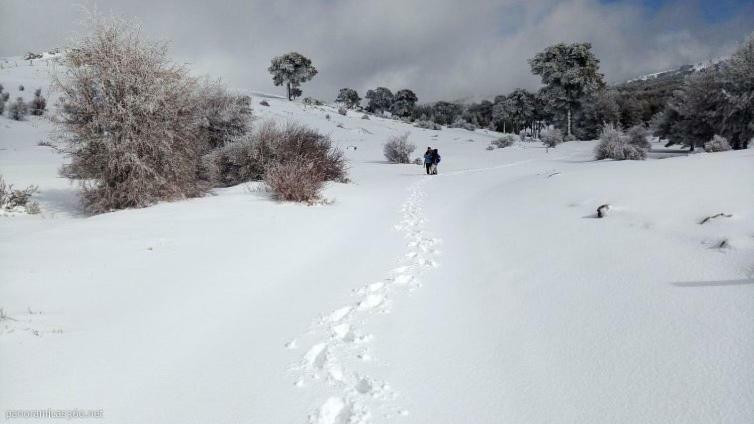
442	49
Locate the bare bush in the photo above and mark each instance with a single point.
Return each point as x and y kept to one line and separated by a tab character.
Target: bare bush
130	120
505	141
638	136
18	110
717	144
298	180
551	137
398	149
614	144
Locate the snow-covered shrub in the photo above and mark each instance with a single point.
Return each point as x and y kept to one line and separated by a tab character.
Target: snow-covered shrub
398	149
427	125
614	144
460	123
311	101
38	105
223	116
365	116
11	198
638	135
293	141
298	180
249	158
490	147
21	87
551	137
233	164
18	109
32	55
717	144
135	150
342	111
505	141
264	103
5	96
569	137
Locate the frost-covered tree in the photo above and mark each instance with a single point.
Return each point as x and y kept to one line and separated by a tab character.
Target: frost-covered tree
598	108
520	109
404	102
445	113
38	104
380	99
479	113
568	71
348	97
292	69
737	79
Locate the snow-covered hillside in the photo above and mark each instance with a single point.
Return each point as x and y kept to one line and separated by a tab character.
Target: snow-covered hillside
489	293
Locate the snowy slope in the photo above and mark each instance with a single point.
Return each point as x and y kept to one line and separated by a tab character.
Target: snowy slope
486	294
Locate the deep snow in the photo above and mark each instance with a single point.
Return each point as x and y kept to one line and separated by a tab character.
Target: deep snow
489	293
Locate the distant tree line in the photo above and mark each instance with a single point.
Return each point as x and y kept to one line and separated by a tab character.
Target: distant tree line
687	107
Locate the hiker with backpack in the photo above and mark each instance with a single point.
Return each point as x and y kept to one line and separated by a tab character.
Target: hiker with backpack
428	160
435	161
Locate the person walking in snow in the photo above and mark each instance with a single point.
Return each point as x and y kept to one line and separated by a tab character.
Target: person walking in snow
435	161
428	160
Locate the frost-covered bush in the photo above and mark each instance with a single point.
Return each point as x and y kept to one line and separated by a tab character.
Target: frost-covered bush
717	144
505	141
398	149
223	116
233	164
614	144
131	120
38	105
11	198
311	101
427	125
460	123
551	137
21	87
490	147
249	159
365	116
18	109
342	111
569	137
298	180
638	136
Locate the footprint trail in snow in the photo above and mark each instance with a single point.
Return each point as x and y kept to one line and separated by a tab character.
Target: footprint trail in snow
338	356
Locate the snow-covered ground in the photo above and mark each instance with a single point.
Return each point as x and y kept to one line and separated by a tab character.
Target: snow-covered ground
487	294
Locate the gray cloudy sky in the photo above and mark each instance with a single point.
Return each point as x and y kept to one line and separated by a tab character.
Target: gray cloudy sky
442	49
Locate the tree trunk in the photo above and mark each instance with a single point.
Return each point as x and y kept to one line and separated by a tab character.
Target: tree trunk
569	120
288	88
